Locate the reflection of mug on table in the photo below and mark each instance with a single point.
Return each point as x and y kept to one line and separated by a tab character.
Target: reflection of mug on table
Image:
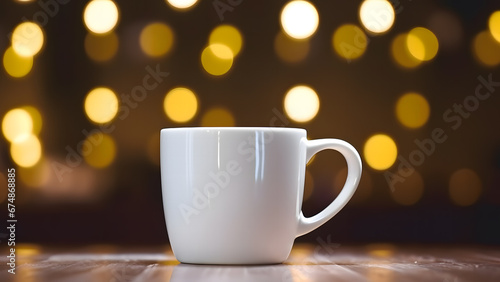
234	195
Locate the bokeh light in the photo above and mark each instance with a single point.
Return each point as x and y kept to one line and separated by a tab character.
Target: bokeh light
410	191
226	35
377	16
27	39
290	50
486	49
17	125
101	105
412	110
217	59
365	186
100	16
299	19
27	152
99	154
380	151
301	103
401	54
422	44
15	65
36	118
180	104
465	187
156	39
218	116
101	47
494	25
349	41
182	4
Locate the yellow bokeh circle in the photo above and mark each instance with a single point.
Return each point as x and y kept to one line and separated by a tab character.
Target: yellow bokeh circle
349	41
180	104
101	105
26	153
217	59
301	103
380	151
412	110
27	39
156	39
218	116
17	125
227	35
16	65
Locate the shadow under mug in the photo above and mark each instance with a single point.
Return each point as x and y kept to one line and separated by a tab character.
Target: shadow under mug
233	195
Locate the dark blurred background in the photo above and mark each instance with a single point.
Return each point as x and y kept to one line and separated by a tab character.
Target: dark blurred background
81	117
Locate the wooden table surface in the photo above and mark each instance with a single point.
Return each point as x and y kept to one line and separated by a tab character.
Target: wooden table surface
308	262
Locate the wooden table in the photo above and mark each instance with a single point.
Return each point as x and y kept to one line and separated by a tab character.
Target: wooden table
308	262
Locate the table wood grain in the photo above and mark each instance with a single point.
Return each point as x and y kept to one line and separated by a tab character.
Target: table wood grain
307	262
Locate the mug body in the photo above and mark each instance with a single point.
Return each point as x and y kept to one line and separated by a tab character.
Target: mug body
232	195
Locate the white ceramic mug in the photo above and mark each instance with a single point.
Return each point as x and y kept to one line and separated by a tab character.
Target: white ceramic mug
233	195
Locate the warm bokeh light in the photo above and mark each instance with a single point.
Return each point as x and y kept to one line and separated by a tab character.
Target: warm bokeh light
308	185
182	4
486	49
380	151
15	65
26	153
377	16
218	116
401	54
412	110
422	44
27	39
17	125
465	187
217	59
156	39
36	118
101	47
494	25
301	103
180	104
37	175
100	16
410	191
299	19
101	105
290	50
226	35
99	154
365	186
349	41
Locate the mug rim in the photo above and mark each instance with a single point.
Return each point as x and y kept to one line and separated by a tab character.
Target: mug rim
232	128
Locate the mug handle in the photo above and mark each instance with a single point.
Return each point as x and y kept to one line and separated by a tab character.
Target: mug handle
308	224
